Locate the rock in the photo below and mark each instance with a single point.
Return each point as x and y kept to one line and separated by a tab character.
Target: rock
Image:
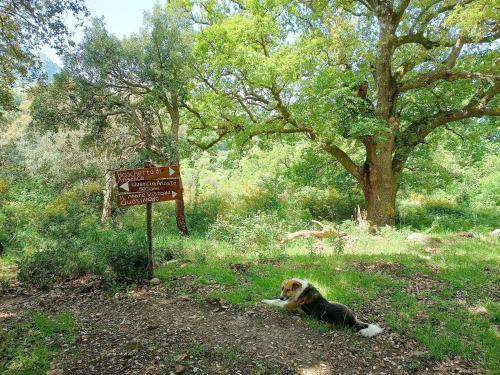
495	233
179	369
420	238
56	371
155	281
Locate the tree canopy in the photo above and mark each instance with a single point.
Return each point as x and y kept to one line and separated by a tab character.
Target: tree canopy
367	81
25	26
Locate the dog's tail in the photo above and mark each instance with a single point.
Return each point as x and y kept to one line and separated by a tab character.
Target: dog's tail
368	330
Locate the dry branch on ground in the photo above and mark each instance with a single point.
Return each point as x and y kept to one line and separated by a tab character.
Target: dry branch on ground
326	231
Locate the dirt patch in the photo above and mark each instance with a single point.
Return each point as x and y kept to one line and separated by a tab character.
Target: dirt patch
185	285
239	268
145	331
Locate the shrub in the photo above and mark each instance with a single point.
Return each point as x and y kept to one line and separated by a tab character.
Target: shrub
327	204
42	269
201	214
258	233
129	263
260	201
127	258
442	215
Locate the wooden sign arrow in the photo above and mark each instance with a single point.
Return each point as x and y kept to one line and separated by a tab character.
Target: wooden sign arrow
132	199
149	186
147	174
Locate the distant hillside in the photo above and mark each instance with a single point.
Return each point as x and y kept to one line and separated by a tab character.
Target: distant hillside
49	66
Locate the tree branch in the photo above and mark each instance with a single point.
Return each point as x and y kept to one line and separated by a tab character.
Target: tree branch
338	154
398	13
427	79
208	145
419	38
419	130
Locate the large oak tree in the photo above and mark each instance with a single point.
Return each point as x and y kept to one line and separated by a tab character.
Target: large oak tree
367	81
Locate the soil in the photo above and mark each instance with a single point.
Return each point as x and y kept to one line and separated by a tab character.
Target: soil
150	331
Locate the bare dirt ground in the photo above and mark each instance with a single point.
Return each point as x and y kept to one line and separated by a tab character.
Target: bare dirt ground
148	331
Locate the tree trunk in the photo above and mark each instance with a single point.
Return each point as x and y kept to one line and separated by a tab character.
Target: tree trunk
380	201
379	181
380	184
108	197
180	216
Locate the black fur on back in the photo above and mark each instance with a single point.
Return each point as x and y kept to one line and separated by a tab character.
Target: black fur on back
313	304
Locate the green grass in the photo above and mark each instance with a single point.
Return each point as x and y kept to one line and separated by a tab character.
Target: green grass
28	347
454	315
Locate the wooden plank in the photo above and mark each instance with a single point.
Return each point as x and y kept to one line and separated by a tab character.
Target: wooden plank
147	174
132	199
149	186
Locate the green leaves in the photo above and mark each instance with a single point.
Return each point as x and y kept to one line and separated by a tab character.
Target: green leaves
26	26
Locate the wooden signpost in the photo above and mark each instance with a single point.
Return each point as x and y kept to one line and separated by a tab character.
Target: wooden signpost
147	186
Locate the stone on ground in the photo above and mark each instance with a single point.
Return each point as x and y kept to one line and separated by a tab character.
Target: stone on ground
495	233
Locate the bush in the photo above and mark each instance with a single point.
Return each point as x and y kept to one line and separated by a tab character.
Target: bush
258	233
442	215
129	264
328	204
260	201
201	214
127	257
42	269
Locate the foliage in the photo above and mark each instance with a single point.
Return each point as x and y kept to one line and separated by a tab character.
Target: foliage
257	234
138	82
26	26
368	99
127	258
42	268
442	215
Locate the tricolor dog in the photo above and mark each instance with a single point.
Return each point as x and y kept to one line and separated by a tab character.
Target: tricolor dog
298	294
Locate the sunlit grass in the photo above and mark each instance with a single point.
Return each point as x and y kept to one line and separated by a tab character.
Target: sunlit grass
464	273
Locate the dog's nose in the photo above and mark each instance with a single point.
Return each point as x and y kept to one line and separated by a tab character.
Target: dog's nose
282	298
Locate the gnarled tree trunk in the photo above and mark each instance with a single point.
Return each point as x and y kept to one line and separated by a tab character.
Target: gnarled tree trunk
378	180
180	215
380	198
107	197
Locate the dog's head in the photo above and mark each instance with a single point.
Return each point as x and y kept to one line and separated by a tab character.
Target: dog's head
292	288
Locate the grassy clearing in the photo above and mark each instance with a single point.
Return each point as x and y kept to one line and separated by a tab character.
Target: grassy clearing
29	346
444	296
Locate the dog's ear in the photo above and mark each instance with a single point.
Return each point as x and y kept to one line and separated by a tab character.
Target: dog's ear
296	285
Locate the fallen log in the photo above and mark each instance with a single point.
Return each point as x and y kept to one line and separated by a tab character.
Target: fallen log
326	230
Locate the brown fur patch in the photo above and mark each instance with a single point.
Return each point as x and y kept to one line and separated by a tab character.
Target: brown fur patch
289	288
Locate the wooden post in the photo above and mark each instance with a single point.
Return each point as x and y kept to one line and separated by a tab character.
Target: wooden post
149	214
149	232
146	186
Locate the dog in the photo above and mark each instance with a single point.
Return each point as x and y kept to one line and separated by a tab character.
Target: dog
298	294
